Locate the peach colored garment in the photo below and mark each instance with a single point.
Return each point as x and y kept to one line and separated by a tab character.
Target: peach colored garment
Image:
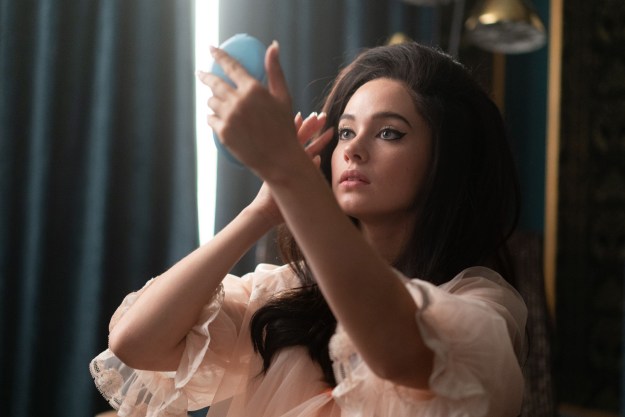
475	324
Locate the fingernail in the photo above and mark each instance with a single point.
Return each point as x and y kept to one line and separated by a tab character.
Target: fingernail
201	76
322	115
276	44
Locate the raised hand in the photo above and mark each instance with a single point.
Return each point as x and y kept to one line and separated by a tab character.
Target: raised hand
306	130
252	121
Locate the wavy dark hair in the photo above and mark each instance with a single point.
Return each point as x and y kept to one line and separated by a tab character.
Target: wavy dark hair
469	205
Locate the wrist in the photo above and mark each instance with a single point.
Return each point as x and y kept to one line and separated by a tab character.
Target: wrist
259	219
291	171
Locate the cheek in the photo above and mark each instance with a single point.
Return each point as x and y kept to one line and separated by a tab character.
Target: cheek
335	163
412	176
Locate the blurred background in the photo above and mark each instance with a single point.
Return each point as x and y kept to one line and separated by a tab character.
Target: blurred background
108	177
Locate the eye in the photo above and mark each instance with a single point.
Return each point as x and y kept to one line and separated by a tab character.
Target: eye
390	134
346	133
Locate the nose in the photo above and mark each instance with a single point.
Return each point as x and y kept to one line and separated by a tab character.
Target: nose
356	150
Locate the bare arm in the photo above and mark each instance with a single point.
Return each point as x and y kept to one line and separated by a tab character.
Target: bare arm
364	293
362	290
151	335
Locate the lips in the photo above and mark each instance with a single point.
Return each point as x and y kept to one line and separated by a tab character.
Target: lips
353	176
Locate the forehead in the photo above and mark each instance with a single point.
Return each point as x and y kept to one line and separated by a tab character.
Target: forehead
381	94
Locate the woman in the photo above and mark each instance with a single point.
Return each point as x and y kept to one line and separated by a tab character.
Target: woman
421	184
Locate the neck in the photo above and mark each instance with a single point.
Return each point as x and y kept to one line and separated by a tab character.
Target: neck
388	236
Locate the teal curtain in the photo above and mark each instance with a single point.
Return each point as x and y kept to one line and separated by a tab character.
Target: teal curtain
97	182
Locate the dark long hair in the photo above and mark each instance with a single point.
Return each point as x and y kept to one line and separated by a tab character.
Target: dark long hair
470	201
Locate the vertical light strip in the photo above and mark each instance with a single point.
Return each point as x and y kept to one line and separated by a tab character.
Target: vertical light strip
206	33
553	153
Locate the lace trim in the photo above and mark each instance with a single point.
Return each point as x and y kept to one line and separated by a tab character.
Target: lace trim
135	393
108	381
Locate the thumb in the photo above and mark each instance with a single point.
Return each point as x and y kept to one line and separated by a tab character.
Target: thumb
275	76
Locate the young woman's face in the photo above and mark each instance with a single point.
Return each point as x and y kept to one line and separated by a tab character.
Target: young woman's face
383	154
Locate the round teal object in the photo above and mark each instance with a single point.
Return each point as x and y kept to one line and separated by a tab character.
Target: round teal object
250	53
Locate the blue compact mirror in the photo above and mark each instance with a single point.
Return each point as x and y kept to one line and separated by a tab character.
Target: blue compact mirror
250	52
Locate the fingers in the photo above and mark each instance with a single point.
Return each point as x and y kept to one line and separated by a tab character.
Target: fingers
316	146
218	87
313	123
231	67
298	120
311	127
215	123
275	76
216	105
220	92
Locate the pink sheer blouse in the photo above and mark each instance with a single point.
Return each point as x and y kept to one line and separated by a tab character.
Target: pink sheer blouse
474	323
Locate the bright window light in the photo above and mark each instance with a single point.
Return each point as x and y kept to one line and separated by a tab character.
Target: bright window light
206	33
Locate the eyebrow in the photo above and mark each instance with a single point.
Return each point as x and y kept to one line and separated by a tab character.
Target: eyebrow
379	115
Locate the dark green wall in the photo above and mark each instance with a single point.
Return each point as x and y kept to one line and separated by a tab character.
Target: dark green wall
526	114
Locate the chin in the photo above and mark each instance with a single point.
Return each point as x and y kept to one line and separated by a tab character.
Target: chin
349	207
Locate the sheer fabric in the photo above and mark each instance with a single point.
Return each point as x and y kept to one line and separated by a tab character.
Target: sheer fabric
474	323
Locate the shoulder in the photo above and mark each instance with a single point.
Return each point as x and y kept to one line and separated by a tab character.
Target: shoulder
265	280
479	293
490	287
275	275
477	282
478	276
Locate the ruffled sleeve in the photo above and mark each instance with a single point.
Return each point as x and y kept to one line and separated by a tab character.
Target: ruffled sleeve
475	326
217	360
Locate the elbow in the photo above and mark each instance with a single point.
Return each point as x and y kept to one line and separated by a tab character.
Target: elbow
123	347
143	353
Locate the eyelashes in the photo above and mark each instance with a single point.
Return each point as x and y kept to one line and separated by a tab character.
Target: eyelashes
390	134
346	133
386	133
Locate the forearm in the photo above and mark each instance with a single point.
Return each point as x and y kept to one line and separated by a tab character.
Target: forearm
151	335
361	288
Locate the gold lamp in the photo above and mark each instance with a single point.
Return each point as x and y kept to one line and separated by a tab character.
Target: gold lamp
398	38
505	26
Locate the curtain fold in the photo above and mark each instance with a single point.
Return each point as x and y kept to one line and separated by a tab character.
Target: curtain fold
97	182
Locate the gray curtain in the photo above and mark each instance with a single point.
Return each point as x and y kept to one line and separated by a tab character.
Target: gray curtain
316	39
97	182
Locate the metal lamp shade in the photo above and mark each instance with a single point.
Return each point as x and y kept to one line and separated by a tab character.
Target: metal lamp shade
505	26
